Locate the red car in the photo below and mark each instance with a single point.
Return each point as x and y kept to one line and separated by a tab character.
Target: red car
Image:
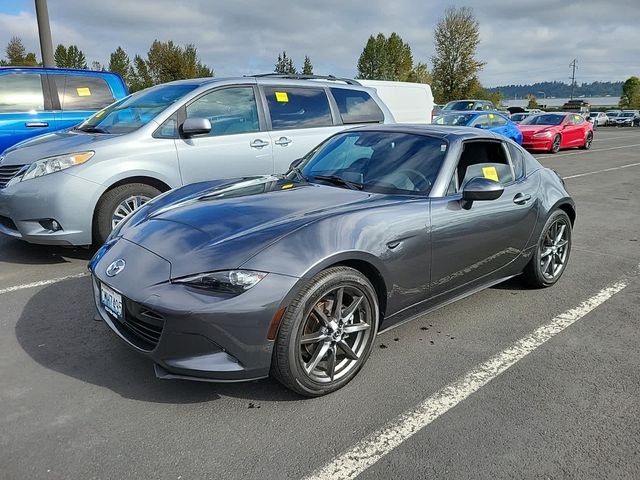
553	131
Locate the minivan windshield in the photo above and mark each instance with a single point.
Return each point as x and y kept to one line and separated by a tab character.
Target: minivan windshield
134	111
462	105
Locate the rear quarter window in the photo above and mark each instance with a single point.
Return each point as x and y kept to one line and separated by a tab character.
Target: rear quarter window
21	92
517	160
356	106
80	92
298	107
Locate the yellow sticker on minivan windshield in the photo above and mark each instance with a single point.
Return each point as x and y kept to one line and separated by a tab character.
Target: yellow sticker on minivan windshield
490	173
83	91
282	97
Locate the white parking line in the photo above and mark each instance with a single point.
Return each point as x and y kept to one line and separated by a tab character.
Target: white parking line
42	283
580	152
368	451
602	171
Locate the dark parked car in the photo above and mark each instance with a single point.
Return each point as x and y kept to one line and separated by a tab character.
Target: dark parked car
34	101
294	275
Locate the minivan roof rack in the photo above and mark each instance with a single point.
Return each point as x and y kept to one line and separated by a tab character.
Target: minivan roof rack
298	76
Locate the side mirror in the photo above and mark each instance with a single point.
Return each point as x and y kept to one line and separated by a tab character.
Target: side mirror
196	126
478	125
569	124
480	188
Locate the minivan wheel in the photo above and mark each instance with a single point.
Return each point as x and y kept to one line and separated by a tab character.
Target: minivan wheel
116	204
327	332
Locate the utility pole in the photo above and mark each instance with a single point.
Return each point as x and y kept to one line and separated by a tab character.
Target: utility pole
573	76
46	45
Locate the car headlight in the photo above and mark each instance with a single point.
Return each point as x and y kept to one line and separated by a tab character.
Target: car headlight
542	134
49	165
230	281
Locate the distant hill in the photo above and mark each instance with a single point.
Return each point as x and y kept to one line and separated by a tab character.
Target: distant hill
560	89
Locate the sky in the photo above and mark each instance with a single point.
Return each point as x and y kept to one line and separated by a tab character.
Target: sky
522	41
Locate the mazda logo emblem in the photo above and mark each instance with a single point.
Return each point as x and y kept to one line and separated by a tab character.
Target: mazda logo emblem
116	267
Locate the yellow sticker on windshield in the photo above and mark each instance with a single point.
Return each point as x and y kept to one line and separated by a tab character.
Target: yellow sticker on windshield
282	97
100	113
490	173
287	186
491	115
83	91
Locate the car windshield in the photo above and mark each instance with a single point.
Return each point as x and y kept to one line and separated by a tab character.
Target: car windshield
626	114
460	119
134	111
460	105
519	116
374	161
547	119
612	114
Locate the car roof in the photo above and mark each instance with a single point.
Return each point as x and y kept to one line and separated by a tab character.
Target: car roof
56	69
299	80
439	131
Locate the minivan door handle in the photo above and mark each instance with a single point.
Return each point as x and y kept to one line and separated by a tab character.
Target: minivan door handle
258	143
283	141
36	124
521	198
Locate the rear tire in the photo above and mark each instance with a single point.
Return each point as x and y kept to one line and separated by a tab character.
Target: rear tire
320	347
552	252
116	203
555	144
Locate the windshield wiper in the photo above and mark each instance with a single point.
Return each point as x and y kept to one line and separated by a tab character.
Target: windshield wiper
336	180
299	173
91	130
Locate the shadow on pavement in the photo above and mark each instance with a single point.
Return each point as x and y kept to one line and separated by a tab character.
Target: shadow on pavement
56	328
23	253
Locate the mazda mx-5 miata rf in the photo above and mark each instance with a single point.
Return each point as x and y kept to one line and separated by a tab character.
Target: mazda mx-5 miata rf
295	275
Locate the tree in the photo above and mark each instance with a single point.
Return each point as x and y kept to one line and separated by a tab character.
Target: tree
284	64
307	67
455	67
119	63
630	98
71	57
533	102
420	74
95	65
165	62
17	54
387	59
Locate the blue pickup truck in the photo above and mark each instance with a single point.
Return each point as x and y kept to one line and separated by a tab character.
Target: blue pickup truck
37	100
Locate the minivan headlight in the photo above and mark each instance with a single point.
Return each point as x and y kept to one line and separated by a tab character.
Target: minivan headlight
231	281
49	165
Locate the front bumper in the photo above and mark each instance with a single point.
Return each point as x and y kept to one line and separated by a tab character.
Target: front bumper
190	333
537	143
62	197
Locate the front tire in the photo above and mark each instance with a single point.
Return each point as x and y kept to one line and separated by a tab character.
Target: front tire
116	204
588	141
555	144
551	255
327	332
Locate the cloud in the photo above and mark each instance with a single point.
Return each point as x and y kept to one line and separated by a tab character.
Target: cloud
521	42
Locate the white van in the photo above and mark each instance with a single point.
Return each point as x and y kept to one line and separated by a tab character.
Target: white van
408	102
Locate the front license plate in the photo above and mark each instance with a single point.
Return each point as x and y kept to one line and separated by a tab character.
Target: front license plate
111	301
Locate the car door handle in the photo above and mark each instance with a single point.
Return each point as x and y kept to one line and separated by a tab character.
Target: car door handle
521	198
283	141
258	143
36	124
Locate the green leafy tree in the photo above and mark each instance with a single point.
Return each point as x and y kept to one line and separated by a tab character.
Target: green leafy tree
388	59
307	67
455	68
477	91
284	64
71	57
630	97
119	63
533	102
165	62
17	54
420	74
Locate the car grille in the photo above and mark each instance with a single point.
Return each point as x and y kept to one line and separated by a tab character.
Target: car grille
7	172
141	326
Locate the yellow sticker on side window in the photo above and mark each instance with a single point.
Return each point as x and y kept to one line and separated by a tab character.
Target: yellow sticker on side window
83	91
282	97
491	115
490	173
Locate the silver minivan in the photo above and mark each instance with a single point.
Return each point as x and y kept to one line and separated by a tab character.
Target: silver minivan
73	187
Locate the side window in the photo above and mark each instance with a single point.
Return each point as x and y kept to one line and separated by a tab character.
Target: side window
497	120
298	107
517	160
482	121
82	92
230	110
356	106
20	92
168	129
578	119
483	159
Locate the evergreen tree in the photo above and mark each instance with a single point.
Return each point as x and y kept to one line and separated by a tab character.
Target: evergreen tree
71	57
17	54
119	63
307	67
284	65
386	59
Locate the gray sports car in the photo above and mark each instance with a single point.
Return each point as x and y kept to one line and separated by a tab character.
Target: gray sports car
294	275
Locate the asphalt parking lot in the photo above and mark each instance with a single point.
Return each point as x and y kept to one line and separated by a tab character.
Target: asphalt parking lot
75	402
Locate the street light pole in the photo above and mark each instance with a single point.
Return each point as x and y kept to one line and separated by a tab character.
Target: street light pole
46	45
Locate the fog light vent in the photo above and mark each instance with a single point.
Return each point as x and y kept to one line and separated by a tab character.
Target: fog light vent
50	224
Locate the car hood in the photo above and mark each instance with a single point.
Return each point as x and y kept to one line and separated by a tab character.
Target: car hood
51	144
220	225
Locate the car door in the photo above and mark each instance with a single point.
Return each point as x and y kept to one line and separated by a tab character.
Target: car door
300	118
498	124
481	121
572	131
237	144
80	96
25	107
472	240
